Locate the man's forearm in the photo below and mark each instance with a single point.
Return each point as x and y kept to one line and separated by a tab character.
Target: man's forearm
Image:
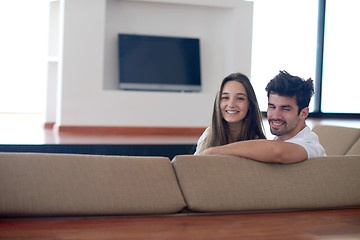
262	150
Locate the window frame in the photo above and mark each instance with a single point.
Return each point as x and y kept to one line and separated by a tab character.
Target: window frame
317	113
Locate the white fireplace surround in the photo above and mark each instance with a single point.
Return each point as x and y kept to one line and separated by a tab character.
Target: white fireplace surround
83	68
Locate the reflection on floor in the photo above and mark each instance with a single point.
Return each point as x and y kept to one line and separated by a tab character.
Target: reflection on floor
29	129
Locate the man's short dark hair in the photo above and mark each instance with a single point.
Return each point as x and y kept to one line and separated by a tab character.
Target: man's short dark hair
287	85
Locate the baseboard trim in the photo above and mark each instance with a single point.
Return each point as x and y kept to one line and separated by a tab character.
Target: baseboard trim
114	130
49	125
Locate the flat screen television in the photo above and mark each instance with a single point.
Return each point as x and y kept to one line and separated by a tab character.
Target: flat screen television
159	63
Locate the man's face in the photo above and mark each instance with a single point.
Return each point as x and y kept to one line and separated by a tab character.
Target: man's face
283	117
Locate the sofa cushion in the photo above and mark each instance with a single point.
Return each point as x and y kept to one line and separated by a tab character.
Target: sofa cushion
35	184
228	183
335	139
355	148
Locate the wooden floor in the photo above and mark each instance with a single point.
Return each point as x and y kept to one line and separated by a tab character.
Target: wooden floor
29	129
311	225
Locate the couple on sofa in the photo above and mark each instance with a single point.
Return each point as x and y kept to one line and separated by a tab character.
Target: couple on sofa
236	127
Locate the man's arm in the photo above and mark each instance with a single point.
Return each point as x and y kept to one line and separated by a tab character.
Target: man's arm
262	150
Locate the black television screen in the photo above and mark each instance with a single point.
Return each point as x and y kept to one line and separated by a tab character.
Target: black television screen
159	63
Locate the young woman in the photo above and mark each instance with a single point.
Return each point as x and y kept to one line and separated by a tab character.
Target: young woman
236	115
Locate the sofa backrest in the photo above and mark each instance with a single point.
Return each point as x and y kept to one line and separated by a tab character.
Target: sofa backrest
39	184
339	140
34	184
235	184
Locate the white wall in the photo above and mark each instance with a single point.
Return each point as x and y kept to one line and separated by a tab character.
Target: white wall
87	89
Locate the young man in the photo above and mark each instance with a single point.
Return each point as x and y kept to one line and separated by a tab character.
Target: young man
288	107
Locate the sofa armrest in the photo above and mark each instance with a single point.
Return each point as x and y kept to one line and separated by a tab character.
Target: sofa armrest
355	148
337	140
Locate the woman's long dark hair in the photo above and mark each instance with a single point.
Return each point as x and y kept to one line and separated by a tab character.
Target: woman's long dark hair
251	127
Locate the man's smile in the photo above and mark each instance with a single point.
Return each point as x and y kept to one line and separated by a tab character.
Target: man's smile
277	123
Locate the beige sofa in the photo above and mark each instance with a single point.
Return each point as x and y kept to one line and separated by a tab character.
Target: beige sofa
37	184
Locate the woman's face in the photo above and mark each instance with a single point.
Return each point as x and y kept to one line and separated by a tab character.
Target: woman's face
234	103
